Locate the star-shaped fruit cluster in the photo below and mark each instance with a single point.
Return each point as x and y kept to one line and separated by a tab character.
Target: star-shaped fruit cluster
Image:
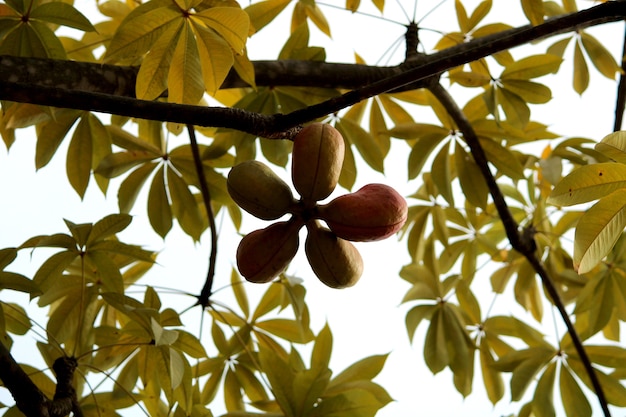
374	212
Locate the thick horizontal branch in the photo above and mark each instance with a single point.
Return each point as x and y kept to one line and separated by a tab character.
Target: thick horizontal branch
115	84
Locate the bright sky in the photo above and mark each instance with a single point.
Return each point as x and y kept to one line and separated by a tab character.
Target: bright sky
366	319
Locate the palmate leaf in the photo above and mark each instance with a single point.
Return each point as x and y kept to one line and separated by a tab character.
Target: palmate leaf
588	183
264	12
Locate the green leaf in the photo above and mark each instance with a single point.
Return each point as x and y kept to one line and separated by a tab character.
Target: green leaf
131	186
18	282
543	400
588	183
62	14
184	206
598	230
159	211
364	369
363	141
471	179
581	71
574	400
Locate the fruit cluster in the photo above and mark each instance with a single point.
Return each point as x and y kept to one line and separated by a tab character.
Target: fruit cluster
374	212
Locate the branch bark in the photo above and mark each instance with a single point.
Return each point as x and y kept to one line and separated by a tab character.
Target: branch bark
31	81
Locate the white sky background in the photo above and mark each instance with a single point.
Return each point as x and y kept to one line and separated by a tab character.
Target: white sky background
366	319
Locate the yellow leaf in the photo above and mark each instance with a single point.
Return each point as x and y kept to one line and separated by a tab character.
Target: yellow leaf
314	13
588	183
244	69
533	9
543	401
472	182
492	379
469	79
79	157
600	56
461	17
529	91
216	58
515	109
363	141
140	29
159	211
442	173
264	12
581	71
131	186
184	80
152	75
420	152
532	67
184	206
230	23
574	400
479	13
598	230
435	350
352	5
614	146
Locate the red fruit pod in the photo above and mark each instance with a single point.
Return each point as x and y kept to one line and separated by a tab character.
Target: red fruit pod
317	157
374	212
335	261
265	253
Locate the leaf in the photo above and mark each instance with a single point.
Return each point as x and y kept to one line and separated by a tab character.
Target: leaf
516	110
492	379
62	14
108	226
264	12
153	73
184	79
533	9
613	146
34	39
436	354
420	153
529	91
140	29
588	183
581	71
574	400
231	23
472	182
532	67
442	173
363	141
543	401
600	56
598	230
184	206
216	58
322	349
131	186
290	330
159	211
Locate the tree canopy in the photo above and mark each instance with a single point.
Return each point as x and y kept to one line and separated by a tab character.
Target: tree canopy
159	106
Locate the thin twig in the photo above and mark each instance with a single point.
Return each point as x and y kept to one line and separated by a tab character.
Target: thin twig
524	243
620	101
205	294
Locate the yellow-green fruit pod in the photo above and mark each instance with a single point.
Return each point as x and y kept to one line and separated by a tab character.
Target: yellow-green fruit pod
317	157
259	191
265	253
335	261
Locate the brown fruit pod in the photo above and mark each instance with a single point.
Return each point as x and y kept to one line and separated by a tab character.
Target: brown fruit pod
259	191
335	261
374	212
265	253
317	157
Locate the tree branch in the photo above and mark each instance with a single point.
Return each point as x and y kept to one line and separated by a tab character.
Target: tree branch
522	242
16	86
